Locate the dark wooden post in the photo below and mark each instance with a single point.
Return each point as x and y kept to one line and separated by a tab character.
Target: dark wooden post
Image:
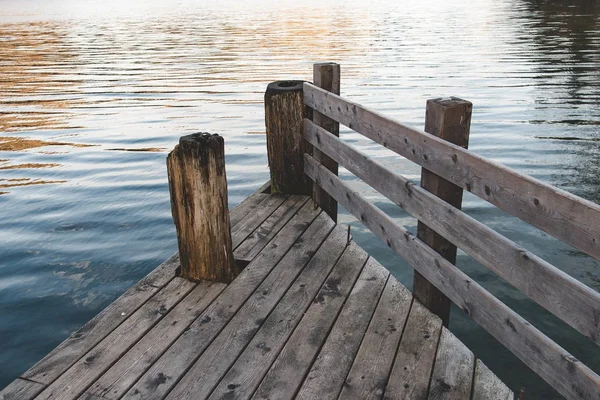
326	76
284	120
198	186
449	119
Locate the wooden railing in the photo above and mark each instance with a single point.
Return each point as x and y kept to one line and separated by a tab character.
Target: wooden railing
569	218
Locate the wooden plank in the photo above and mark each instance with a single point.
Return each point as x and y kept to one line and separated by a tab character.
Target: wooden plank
327	77
167	370
124	373
68	352
559	293
85	371
254	243
551	362
452	376
20	389
287	372
487	386
368	376
409	378
328	373
561	214
245	375
249	203
206	373
253	220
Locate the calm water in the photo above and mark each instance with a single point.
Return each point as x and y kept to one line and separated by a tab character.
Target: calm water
94	96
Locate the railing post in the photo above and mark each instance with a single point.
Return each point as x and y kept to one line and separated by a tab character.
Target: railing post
284	121
198	186
326	76
448	119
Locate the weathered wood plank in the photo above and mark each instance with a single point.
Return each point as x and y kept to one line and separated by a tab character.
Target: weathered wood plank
21	389
561	214
85	371
559	293
166	371
328	373
225	349
254	243
250	222
327	77
368	376
124	373
287	372
409	378
487	386
452	376
551	362
68	352
245	375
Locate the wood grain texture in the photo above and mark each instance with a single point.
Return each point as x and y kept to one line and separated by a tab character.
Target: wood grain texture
168	369
226	348
245	375
411	372
20	389
253	220
450	120
368	376
245	207
556	291
125	372
551	362
80	342
84	372
284	112
563	215
291	365
328	373
263	234
452	376
327	77
198	188
487	386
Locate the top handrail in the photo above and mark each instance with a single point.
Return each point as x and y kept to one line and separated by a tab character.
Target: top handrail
563	215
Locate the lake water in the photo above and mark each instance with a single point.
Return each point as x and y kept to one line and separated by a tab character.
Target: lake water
95	94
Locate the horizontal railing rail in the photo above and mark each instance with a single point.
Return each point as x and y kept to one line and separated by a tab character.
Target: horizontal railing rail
563	215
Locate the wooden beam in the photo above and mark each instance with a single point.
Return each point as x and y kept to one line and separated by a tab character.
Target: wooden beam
198	186
551	362
284	112
563	215
327	77
553	289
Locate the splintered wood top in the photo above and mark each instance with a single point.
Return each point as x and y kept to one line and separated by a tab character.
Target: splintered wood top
312	316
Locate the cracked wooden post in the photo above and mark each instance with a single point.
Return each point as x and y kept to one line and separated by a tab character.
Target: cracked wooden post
448	119
326	76
284	121
198	187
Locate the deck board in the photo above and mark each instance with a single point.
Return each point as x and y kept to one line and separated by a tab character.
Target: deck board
310	317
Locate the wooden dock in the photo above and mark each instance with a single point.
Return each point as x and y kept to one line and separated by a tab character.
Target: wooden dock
312	316
274	300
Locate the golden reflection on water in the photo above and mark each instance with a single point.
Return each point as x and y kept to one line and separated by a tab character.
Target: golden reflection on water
9	143
28	166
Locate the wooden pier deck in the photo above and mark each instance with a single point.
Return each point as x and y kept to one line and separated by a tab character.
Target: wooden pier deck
312	316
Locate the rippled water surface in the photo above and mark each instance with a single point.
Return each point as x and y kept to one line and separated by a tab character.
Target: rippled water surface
94	94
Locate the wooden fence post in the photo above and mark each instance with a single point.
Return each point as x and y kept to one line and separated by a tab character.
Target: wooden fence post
326	76
284	120
198	186
448	119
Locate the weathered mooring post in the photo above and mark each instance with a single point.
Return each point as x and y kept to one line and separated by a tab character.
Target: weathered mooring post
448	119
198	186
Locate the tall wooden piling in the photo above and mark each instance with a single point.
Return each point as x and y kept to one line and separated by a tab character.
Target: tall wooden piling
198	186
448	119
284	121
326	76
